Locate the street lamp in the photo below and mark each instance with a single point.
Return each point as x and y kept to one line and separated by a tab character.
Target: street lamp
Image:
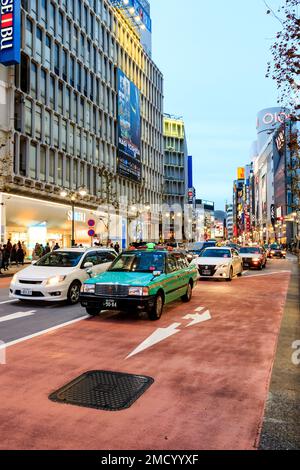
73	195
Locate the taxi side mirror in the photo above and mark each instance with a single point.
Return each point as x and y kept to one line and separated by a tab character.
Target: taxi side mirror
156	273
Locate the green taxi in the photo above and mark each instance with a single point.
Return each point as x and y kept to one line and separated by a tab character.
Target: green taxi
141	280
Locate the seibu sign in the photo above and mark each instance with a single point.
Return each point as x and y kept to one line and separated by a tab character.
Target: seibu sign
10	32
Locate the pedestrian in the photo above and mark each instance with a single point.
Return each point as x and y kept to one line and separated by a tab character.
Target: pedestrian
6	257
1	258
13	254
117	247
20	254
37	252
24	249
56	247
46	249
9	245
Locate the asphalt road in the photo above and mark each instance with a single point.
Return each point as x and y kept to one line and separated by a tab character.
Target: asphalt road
33	318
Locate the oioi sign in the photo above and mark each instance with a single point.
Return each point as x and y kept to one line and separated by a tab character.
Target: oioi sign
10	32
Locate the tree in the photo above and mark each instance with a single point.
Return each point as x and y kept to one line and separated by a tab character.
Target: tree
285	70
285	67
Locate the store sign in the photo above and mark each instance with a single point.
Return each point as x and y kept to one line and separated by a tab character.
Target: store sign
280	141
191	195
241	173
275	118
10	32
78	216
273	215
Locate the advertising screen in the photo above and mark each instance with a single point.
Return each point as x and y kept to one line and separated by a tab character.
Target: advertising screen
129	129
136	9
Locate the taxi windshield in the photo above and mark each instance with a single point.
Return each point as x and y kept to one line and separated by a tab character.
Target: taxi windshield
250	251
209	253
139	263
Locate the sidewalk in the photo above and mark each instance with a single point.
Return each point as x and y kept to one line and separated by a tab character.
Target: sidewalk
281	427
13	270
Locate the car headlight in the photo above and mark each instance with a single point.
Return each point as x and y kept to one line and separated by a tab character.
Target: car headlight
53	281
14	279
138	291
223	266
88	288
256	260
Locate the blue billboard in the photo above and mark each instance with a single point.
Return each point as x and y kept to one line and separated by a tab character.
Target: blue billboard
129	129
137	10
10	32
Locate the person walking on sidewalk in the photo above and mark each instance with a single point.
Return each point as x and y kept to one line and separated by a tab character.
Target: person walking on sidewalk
1	258
13	254
6	257
20	254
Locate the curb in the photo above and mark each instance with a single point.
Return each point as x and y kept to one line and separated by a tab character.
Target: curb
281	423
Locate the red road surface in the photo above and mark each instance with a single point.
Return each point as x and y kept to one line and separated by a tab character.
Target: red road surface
211	379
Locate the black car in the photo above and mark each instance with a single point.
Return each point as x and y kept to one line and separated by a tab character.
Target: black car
277	251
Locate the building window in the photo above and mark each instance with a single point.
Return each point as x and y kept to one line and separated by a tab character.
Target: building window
32	160
64	135
47	127
56	59
52	19
38	45
38	121
55	130
33	80
44	12
51	166
52	92
28	37
42	163
60	170
43	86
68	172
48	51
60	97
28	117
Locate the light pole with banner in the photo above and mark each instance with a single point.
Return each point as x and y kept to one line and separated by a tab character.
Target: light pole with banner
73	196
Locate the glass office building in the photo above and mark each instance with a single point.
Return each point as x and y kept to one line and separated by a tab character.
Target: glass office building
59	125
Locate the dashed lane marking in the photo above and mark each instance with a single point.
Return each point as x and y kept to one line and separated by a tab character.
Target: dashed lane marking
267	274
43	332
16	315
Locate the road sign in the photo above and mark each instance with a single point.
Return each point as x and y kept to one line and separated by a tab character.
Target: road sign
91	223
91	233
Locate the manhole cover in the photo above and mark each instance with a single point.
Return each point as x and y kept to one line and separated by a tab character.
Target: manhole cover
102	390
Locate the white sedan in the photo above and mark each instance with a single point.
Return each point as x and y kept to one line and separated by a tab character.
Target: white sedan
219	263
59	275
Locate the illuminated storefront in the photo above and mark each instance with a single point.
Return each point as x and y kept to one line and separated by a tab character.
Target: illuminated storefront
35	221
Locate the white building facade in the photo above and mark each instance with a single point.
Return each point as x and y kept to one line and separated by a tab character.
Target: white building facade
60	123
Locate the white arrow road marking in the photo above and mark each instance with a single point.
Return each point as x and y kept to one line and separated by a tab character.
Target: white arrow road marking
16	315
267	274
158	336
199	309
8	301
197	318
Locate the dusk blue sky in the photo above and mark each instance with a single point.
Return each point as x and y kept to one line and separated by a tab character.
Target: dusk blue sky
214	55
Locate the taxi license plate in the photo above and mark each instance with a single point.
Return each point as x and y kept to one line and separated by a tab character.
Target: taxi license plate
110	304
27	292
